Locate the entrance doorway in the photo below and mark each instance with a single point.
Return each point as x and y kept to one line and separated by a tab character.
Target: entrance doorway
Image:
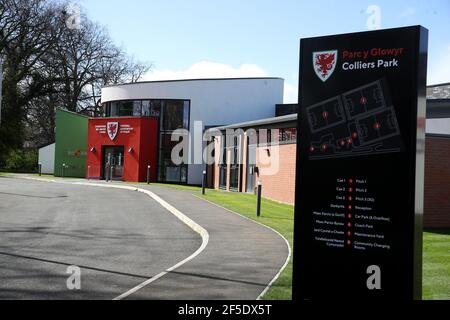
113	162
251	167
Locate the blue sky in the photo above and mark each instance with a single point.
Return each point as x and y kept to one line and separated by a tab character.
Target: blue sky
212	38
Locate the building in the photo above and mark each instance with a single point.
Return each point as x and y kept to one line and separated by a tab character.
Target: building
140	118
243	163
46	158
273	142
70	144
437	157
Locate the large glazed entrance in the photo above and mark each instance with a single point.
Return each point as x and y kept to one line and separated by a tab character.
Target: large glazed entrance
113	163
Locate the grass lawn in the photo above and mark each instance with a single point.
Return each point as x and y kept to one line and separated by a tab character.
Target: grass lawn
436	265
436	245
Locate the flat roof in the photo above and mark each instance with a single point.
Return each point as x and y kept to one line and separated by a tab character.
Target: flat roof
71	112
198	79
436	109
439	91
286	118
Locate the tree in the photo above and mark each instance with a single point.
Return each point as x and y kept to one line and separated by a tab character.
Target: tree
28	29
88	60
48	65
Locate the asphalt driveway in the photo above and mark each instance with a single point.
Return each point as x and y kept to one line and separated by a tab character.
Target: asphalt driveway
122	238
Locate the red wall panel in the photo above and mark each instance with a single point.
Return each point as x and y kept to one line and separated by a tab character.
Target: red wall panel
140	134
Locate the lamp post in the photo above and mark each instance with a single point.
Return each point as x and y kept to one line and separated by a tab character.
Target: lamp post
204	182
258	204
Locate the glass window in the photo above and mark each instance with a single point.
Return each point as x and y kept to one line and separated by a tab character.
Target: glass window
224	151
173	115
126	109
235	151
137	108
186	115
114	109
105	108
173	174
145	108
184	174
155	108
166	146
288	134
264	136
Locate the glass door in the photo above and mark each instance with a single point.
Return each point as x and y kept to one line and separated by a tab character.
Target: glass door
113	163
251	168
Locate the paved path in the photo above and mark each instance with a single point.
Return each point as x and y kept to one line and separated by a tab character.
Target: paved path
241	257
119	238
240	260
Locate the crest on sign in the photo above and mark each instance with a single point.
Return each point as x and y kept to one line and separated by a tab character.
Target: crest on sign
112	128
324	63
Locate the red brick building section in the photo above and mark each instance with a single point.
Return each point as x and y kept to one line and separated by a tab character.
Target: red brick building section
437	181
281	186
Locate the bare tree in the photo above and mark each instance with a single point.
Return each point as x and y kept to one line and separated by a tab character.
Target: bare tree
48	65
87	60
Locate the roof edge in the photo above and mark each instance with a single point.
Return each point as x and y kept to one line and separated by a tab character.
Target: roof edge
438	85
195	79
247	124
71	112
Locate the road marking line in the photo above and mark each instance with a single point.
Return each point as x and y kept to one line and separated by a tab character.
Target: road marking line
185	219
285	240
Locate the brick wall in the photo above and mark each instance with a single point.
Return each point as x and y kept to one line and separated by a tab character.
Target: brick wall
278	182
437	182
281	185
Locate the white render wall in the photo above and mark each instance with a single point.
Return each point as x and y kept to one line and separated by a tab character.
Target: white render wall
438	126
215	102
47	158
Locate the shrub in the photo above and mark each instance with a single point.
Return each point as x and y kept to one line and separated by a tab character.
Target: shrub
21	161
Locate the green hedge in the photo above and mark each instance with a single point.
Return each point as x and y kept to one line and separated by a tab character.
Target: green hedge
21	161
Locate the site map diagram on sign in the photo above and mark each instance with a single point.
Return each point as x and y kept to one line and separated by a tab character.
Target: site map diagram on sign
358	122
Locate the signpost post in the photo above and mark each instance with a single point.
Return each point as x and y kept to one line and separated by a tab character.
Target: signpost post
360	166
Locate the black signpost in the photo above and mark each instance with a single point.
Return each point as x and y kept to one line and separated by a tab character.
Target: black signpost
360	165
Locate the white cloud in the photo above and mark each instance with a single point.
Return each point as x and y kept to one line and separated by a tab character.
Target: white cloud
209	69
290	93
408	12
439	70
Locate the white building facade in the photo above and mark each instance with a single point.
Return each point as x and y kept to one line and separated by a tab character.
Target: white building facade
193	105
